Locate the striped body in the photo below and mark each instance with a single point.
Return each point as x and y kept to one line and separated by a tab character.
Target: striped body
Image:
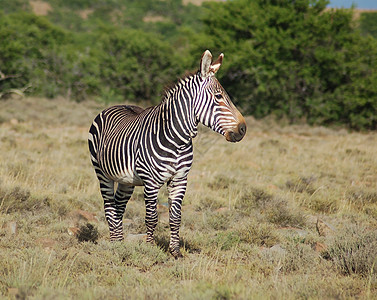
153	146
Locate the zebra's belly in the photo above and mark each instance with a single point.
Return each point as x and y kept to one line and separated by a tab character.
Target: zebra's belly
130	180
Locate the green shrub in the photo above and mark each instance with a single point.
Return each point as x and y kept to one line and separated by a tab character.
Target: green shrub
354	251
368	23
257	233
295	59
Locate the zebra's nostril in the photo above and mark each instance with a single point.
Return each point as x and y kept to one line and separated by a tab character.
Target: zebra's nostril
242	129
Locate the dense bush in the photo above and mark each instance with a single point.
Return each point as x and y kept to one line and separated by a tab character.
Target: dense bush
133	64
283	57
26	41
293	58
368	23
111	63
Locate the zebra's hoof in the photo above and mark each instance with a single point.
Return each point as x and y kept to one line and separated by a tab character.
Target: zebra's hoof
176	253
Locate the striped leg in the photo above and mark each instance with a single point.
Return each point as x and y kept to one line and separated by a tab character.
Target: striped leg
176	191
107	192
151	217
122	195
114	206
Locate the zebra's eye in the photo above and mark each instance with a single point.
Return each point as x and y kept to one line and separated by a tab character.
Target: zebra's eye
219	96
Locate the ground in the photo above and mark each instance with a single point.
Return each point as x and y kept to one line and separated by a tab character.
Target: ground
290	212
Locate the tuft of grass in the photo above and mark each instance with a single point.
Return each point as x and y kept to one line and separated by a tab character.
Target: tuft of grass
276	210
221	182
87	233
208	203
302	184
19	199
257	233
227	240
354	251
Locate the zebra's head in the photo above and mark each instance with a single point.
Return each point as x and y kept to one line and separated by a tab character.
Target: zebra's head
214	108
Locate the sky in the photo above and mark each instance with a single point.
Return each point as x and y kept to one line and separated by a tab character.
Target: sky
366	4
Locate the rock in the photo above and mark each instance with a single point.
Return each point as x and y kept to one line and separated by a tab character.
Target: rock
73	231
13	121
275	250
10	227
323	228
222	209
319	247
82	215
293	231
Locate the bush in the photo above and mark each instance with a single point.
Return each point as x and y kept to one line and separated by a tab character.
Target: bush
135	64
354	252
368	23
293	58
111	63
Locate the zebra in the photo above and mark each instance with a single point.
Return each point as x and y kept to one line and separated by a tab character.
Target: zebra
132	146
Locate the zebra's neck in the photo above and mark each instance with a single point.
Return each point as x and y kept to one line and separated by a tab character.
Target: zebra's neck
177	110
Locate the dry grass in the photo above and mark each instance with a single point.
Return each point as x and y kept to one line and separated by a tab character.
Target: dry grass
249	217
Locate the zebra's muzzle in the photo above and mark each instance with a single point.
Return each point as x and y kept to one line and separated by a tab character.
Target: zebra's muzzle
237	135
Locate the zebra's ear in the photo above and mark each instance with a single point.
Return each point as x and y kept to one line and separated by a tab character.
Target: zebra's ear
217	64
205	64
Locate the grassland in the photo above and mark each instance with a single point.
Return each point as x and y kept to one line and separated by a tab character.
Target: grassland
288	213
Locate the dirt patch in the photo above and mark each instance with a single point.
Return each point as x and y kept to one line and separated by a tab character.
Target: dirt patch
84	14
154	19
40	8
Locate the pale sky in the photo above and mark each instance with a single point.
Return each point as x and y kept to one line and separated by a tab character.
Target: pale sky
371	4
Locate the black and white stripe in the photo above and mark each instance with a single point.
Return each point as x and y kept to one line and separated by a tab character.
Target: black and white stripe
134	146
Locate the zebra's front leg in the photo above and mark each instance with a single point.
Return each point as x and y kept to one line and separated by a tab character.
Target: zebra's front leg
151	216
176	191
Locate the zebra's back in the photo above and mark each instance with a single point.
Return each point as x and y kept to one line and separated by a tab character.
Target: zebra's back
115	126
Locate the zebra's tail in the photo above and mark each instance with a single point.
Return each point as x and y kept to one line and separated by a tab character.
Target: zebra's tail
93	141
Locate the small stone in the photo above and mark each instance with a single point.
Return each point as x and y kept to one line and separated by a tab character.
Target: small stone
13	121
10	227
319	247
73	231
278	249
293	231
323	228
222	209
82	215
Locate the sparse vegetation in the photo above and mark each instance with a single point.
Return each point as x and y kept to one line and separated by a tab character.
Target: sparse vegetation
275	216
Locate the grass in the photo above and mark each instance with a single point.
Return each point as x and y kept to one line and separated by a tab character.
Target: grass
249	215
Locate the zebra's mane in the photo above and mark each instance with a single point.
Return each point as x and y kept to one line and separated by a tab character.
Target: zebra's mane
171	87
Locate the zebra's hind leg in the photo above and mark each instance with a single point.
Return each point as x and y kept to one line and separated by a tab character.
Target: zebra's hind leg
122	195
111	211
151	216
